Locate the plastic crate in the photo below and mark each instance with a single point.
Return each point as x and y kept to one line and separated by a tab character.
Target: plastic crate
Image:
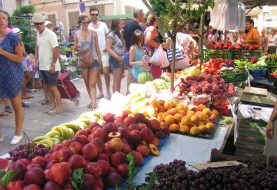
215	53
246	54
259	74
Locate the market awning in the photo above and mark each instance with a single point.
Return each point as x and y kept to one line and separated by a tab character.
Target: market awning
256	3
124	17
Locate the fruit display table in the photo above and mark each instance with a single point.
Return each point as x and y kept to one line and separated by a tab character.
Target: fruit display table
192	150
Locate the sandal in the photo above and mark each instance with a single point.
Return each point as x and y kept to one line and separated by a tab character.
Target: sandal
99	97
27	97
89	106
3	114
8	109
45	102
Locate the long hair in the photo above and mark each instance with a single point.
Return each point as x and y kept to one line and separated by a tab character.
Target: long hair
137	36
115	28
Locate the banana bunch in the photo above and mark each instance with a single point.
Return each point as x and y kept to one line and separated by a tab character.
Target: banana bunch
47	141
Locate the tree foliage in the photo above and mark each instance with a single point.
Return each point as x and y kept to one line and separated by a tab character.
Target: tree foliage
21	18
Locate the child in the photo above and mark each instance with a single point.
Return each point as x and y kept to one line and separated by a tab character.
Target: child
136	55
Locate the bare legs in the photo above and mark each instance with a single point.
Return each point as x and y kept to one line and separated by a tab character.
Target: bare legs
55	98
46	94
106	72
27	77
19	114
91	78
117	76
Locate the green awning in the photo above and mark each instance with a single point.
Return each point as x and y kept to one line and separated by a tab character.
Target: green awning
123	17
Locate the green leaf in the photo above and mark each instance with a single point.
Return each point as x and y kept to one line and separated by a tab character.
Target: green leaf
2	173
77	178
7	178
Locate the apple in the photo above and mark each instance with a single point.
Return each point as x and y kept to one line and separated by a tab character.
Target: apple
118	158
81	139
57	176
39	160
107	149
154	124
108	117
66	143
90	151
103	156
138	158
94	169
15	185
76	147
50	163
32	187
55	147
129	120
34	176
124	131
50	185
99	185
100	132
133	126
20	170
113	180
123	169
23	161
155	141
89	182
82	132
126	148
77	161
99	143
105	166
134	137
109	127
146	134
64	154
116	144
144	150
140	118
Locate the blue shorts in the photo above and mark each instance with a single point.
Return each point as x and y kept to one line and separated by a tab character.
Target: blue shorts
49	78
114	64
93	66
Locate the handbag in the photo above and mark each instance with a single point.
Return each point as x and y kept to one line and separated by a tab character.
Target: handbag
86	56
179	54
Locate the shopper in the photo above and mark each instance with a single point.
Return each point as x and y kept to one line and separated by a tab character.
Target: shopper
49	25
264	40
116	48
252	36
85	39
152	41
131	26
272	123
27	69
136	55
47	55
272	42
11	73
102	32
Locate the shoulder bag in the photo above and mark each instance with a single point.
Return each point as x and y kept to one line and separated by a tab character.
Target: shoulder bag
86	58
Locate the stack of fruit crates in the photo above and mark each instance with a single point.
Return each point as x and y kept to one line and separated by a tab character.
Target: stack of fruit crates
245	54
216	53
251	139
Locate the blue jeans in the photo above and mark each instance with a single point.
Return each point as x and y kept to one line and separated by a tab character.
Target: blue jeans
93	66
114	64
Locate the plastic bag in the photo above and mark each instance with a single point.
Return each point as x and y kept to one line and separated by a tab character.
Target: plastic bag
159	58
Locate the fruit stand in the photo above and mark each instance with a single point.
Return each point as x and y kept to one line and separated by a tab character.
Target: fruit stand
150	126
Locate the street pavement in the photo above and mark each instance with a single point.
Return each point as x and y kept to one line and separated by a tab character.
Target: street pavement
37	122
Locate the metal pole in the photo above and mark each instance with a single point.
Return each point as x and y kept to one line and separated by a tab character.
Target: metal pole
201	38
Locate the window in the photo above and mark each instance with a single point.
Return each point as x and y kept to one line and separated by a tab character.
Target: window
73	19
52	18
128	9
1	4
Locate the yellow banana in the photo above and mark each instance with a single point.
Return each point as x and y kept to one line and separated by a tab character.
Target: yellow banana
39	138
70	133
53	134
49	142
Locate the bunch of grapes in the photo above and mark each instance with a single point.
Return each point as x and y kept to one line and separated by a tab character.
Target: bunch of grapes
28	151
254	176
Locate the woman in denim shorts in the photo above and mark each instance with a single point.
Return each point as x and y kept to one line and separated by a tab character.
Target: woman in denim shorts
82	40
116	48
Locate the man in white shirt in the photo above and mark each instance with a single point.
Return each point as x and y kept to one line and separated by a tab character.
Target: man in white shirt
102	31
46	56
272	42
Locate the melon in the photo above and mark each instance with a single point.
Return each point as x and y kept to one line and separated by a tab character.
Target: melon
144	76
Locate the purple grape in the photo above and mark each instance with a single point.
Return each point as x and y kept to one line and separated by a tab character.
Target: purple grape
40	146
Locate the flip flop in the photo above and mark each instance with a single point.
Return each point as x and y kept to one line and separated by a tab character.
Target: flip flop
3	114
99	97
45	102
27	97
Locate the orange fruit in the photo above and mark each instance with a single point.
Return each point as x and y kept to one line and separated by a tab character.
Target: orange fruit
194	118
203	128
172	111
177	117
210	126
155	103
213	116
215	112
183	128
200	107
164	115
174	127
206	111
194	131
185	120
168	104
169	120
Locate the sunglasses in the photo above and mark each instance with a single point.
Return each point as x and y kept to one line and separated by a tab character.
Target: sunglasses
41	23
87	23
94	14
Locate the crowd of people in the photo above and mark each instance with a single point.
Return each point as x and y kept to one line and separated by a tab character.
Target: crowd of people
101	49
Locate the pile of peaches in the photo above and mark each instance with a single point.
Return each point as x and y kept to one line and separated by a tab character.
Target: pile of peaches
100	150
181	119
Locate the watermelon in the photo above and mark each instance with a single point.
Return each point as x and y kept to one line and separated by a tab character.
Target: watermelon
144	76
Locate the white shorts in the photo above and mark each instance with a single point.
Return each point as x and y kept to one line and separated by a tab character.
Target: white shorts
105	59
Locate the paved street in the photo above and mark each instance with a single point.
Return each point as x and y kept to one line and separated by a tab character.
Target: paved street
37	122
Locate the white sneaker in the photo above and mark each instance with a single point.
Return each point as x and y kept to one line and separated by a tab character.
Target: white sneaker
16	139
